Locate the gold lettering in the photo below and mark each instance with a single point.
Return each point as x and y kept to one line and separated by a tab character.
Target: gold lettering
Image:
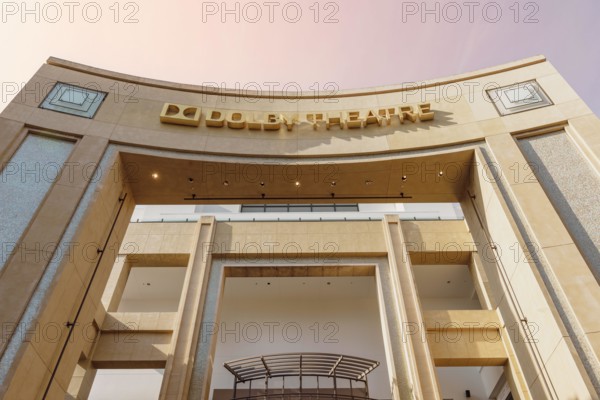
236	120
387	114
354	120
425	113
190	115
289	121
334	119
253	123
373	118
315	120
179	114
407	112
273	122
215	118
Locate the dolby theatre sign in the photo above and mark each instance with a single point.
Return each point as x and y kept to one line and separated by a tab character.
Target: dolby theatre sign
179	114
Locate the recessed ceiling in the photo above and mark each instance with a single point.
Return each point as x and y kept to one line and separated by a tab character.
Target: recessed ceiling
154	283
307	288
443	281
194	181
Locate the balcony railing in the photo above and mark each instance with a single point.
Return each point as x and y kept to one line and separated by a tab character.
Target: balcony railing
345	376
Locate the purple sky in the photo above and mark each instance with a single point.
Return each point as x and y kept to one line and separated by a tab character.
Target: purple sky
373	43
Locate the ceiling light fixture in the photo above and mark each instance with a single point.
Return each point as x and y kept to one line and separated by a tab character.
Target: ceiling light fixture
295	199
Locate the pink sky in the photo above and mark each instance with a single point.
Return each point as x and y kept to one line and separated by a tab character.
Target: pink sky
373	43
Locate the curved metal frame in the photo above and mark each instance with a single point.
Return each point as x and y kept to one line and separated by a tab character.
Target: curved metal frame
328	365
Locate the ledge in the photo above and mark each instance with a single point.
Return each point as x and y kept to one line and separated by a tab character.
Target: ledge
139	322
71	65
461	319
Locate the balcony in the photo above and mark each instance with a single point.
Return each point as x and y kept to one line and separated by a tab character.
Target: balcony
292	376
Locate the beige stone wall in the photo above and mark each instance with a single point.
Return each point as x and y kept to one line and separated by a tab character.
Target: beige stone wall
517	289
464	114
41	364
148	161
232	240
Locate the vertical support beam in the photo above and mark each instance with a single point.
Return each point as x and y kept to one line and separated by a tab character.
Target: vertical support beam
266	387
83	331
334	386
585	131
480	281
82	381
88	222
116	284
300	375
11	135
80	386
391	311
520	292
180	361
400	261
45	230
569	279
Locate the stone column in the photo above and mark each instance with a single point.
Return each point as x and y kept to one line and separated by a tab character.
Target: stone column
11	134
569	279
180	360
507	218
425	381
82	381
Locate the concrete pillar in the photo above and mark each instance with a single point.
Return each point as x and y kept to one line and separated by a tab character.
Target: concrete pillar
116	285
570	279
180	360
82	381
426	386
65	325
12	133
532	327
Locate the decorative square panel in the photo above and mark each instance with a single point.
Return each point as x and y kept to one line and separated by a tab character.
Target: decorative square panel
520	97
73	100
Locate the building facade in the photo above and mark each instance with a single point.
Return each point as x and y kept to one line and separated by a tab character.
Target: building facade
500	303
